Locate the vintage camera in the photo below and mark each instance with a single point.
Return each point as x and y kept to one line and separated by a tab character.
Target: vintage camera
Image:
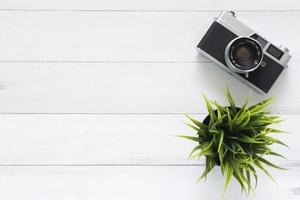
243	53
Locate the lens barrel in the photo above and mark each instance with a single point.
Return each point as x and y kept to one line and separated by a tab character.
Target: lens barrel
243	54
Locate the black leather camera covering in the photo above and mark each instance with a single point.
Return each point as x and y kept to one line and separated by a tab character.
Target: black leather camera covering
215	42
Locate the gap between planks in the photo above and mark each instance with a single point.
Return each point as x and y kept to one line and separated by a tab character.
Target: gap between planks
283	113
140	10
122	165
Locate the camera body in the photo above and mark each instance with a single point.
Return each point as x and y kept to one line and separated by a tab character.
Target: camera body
243	53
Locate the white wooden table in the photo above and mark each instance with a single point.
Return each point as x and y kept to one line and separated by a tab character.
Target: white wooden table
92	92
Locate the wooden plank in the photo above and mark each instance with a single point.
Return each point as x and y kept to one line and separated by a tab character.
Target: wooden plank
110	140
135	183
126	36
130	88
150	5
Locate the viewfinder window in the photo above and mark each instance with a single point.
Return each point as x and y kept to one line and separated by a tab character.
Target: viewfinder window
275	52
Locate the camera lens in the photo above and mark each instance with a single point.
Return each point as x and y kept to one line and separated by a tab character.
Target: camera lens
243	54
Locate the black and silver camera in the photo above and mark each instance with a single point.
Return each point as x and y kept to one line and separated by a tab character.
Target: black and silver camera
243	53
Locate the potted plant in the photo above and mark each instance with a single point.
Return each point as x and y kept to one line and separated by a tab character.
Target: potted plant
236	139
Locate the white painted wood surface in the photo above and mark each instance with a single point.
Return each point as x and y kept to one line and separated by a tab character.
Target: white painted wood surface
134	182
91	95
129	88
150	5
112	36
110	139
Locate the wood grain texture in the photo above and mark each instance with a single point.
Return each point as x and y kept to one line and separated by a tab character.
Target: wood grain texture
150	5
99	86
135	183
111	140
130	88
126	36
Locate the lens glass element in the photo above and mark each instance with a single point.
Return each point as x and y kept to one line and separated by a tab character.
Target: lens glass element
245	56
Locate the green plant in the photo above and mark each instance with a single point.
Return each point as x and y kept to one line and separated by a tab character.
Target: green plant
236	139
